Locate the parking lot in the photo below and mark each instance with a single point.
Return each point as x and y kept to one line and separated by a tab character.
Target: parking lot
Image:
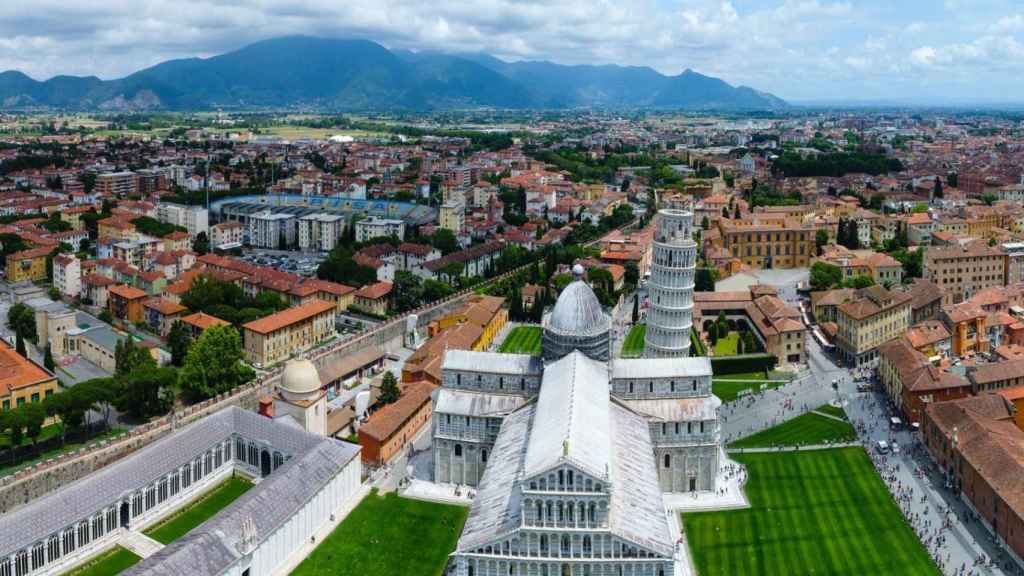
301	263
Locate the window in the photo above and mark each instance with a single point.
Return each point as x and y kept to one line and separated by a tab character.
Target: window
668	461
458	450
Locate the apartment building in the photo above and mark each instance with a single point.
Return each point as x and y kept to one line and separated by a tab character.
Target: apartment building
1014	261
226	234
117	184
320	232
453	217
27	265
270	230
279	336
22	381
125	303
962	271
778	243
195	219
67	275
873	317
374	227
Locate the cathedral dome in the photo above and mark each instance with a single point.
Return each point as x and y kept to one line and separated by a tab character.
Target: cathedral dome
300	380
577	322
578	311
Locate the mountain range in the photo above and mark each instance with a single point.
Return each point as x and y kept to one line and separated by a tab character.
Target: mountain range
351	75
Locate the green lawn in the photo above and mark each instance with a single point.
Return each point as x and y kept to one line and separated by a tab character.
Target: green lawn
633	346
387	535
832	411
727	346
51	431
109	563
824	512
199	511
803	430
7	468
729	391
522	340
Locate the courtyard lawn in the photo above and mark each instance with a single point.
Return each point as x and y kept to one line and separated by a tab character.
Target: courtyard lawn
109	563
804	430
199	511
633	346
729	391
824	512
522	340
387	535
727	346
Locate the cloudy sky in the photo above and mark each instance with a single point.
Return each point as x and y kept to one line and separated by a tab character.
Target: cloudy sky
913	50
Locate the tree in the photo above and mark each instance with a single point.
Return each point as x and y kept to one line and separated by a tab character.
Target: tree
106	316
389	392
445	241
705	223
825	276
740	346
736	213
820	240
22	321
937	190
34	415
704	279
861	281
201	245
713	333
407	291
725	212
148	391
636	308
214	364
953	180
129	357
989	198
178	340
632	275
749	341
723	325
14	421
515	304
48	362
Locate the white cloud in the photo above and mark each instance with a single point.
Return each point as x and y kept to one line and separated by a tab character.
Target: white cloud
1010	24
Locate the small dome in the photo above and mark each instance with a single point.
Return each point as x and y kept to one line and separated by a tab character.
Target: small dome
577	271
578	312
300	377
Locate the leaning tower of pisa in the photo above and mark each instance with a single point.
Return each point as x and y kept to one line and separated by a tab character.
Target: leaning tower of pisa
670	287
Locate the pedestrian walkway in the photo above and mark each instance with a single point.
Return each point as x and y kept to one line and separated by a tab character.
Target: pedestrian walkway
141	545
827	415
794	448
434	492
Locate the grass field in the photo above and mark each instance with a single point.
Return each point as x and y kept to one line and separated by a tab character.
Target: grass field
832	411
388	535
824	513
729	391
200	511
522	340
633	346
803	430
727	346
298	132
109	563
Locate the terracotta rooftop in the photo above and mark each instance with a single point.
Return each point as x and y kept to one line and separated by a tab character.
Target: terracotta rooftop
389	419
127	292
18	372
203	321
165	307
288	317
374	291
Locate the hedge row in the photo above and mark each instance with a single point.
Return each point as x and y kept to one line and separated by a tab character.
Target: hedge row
742	364
696	346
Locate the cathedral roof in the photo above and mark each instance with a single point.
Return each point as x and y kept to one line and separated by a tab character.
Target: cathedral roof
578	312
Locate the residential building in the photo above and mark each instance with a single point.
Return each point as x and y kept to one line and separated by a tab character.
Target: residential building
874	316
116	184
279	336
920	228
198	322
195	219
996	376
226	235
926	300
320	232
977	449
161	314
275	231
962	271
453	217
96	289
966	325
67	275
1014	261
912	382
374	227
373	298
28	265
125	303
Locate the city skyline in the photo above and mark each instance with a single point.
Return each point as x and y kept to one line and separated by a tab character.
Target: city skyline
913	53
